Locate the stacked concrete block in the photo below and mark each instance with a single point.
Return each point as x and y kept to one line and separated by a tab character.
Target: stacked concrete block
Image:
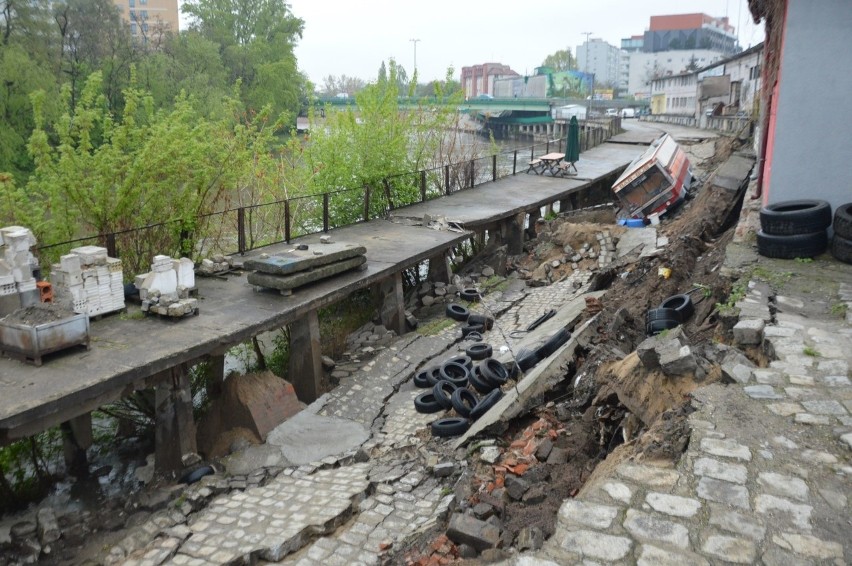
165	289
607	248
17	284
88	282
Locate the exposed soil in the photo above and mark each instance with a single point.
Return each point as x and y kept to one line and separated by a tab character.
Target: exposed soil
618	410
41	313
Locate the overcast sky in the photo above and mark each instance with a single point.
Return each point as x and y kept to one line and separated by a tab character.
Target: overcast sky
350	37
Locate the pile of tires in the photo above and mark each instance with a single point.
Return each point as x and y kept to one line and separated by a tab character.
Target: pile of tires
794	229
458	384
671	313
475	324
841	243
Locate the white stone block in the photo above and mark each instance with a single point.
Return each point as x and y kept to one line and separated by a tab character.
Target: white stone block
185	272
91	255
5	268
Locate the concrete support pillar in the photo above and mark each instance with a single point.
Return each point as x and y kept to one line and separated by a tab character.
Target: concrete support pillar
513	233
439	268
392	305
174	429
305	370
76	439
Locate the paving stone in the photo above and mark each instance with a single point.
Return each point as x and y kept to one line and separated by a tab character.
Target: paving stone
799	515
847	439
723	492
727	448
784	485
808	545
730	549
578	512
749	331
736	522
597	545
785	409
800	379
807	418
818	456
777	556
673	504
762	392
649	475
836	380
618	491
734	473
464	529
768	377
650	555
645	526
824	407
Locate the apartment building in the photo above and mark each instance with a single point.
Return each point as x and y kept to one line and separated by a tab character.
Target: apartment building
149	19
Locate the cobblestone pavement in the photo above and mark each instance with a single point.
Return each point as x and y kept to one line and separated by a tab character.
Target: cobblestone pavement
766	476
339	511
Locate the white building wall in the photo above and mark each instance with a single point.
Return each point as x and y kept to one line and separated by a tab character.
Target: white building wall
680	92
642	66
599	57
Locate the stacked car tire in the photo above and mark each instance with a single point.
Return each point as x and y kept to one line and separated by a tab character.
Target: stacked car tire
841	243
794	229
671	313
469	390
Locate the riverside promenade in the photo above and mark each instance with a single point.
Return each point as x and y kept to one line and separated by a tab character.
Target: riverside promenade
765	478
128	353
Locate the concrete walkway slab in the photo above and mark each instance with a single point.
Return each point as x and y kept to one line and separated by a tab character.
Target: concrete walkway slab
308	437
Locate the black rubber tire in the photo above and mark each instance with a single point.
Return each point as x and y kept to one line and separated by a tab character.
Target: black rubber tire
463	401
655	327
486	321
662	314
193	476
841	249
526	360
442	392
455	373
793	217
479	351
479	383
843	221
426	403
421	378
450	426
474	337
435	376
791	247
471	328
457	312
493	371
464	360
470	295
682	304
485	404
553	343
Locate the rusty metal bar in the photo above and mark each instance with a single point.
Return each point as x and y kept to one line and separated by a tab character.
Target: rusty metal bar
423	186
241	230
325	212
287	221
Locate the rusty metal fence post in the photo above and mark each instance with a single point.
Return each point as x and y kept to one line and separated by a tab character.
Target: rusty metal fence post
287	221
447	179
112	251
366	203
515	162
325	212
241	230
494	167
423	186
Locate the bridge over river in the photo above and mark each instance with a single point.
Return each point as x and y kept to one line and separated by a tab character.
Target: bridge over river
128	355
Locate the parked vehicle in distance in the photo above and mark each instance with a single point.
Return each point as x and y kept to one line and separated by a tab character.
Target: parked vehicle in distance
628	113
611	112
485	96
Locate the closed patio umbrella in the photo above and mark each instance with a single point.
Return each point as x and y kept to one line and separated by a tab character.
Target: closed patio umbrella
572	145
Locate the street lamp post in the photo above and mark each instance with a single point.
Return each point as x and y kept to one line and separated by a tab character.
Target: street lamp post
414	41
586	69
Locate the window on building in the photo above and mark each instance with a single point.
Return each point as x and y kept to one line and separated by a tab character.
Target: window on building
132	3
143	2
133	29
145	28
132	15
144	14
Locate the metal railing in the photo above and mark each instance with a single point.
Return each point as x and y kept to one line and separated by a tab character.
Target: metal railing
245	228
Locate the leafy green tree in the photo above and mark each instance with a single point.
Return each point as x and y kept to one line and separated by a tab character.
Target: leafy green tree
562	60
256	39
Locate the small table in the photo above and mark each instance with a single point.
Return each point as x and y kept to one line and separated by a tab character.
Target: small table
551	162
